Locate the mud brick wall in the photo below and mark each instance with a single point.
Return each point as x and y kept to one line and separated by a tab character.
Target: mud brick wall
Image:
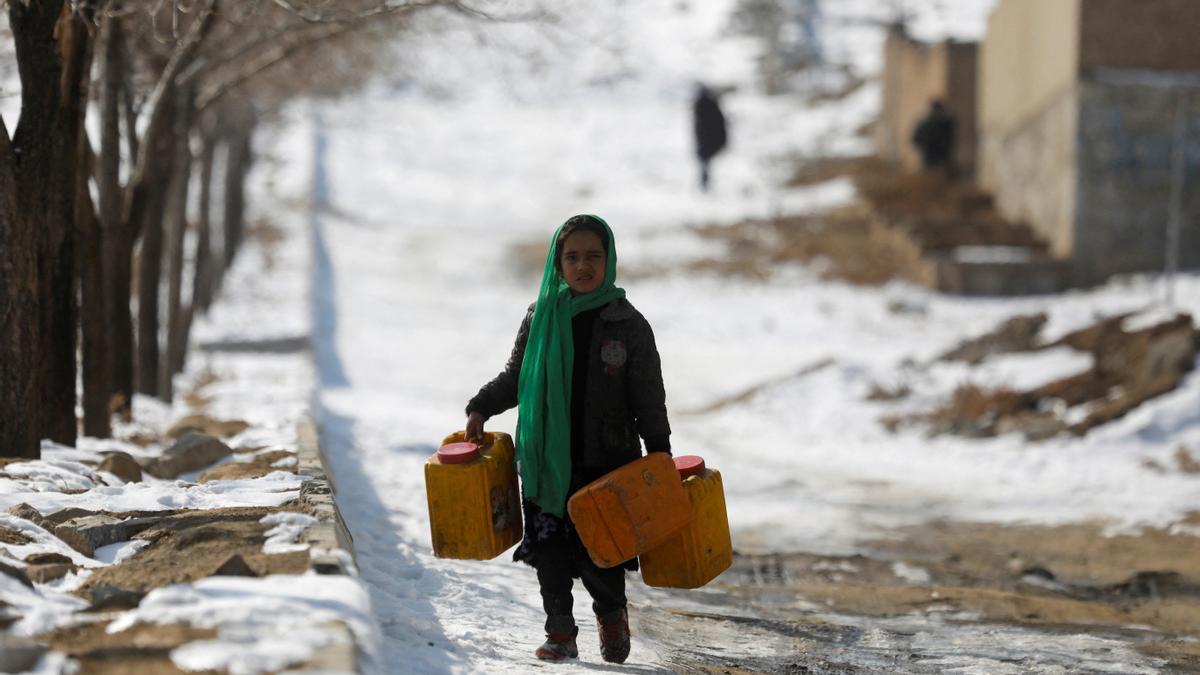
1146	34
914	74
1126	139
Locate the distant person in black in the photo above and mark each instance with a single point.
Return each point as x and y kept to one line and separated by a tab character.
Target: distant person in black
934	138
710	130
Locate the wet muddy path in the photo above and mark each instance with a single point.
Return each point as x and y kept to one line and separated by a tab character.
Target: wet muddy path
947	597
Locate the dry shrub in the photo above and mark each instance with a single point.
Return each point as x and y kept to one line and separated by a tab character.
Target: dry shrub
814	171
939	213
1187	464
883	393
972	402
974	411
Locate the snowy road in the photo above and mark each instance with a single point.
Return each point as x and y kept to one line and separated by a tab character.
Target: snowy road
439	187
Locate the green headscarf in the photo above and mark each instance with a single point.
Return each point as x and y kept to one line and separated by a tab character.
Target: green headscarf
544	388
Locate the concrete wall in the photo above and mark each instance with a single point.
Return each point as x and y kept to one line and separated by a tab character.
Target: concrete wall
962	65
1146	34
1028	114
1028	57
915	73
1126	137
1031	170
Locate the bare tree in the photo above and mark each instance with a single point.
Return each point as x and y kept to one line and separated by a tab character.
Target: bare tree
165	67
37	166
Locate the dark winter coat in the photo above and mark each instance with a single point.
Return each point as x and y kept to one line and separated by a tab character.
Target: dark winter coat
625	398
934	138
709	125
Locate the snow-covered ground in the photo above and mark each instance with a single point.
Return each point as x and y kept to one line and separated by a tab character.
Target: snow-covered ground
485	139
265	623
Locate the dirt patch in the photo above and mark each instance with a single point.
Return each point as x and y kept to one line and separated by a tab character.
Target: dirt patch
260	464
190	546
1128	367
1078	555
1044	578
844	244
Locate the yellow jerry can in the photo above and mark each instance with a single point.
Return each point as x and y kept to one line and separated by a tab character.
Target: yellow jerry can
630	510
703	549
474	504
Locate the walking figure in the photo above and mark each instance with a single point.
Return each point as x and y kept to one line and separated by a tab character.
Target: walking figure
710	130
934	138
586	378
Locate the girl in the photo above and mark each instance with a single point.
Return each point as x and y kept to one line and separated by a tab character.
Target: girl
586	378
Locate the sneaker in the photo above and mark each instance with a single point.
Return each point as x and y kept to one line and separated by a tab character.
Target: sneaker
558	647
614	636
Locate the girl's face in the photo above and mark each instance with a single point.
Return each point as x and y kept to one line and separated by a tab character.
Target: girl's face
582	262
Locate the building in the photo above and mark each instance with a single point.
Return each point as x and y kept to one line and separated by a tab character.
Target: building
914	74
1083	106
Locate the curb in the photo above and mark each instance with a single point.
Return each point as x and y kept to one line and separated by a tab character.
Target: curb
332	546
330	533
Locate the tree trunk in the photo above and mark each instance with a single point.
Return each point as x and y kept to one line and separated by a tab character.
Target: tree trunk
176	220
19	340
202	282
60	308
30	170
150	267
116	248
237	167
93	329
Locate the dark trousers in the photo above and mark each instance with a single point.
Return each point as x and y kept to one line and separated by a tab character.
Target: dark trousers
556	568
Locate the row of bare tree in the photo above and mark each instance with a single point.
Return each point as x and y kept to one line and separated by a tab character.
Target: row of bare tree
156	185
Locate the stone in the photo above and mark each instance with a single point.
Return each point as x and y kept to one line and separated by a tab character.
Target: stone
18	654
96	529
15	572
11	536
47	559
107	596
234	566
8	615
74	539
27	512
122	465
206	425
192	452
48	572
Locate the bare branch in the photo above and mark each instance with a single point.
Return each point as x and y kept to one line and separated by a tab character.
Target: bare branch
383	9
181	56
275	54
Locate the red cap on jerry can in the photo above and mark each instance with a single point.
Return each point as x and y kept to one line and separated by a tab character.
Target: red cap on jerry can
457	453
689	465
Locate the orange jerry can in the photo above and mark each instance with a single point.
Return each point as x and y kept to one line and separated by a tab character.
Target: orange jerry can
630	510
474	505
703	549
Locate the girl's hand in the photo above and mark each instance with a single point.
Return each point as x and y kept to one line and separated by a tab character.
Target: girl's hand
474	426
